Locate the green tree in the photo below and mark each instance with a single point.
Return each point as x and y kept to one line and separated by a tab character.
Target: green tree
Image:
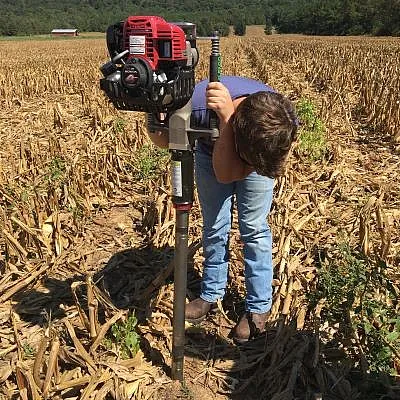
268	25
9	25
239	27
327	17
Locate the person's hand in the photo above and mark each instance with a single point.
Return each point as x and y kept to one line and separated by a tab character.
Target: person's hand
219	100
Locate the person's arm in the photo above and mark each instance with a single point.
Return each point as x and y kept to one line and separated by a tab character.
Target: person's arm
228	167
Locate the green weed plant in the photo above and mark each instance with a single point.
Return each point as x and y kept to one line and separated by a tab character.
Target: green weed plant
124	336
28	351
361	300
119	125
312	133
149	162
56	170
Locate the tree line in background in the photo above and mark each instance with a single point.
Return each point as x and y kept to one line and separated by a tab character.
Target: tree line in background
320	17
333	17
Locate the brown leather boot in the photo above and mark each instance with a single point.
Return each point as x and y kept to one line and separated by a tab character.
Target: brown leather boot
197	310
249	327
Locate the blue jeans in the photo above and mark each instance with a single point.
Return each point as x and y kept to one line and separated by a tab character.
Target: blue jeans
253	198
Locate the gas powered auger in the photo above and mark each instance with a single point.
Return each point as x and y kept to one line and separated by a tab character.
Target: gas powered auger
152	70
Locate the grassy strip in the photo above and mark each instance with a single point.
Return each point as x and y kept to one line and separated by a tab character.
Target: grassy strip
44	37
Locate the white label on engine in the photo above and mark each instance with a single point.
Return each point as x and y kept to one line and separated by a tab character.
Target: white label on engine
176	178
137	44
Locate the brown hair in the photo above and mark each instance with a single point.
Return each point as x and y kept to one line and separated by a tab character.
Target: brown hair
265	125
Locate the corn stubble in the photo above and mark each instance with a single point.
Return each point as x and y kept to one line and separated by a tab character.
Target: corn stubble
67	167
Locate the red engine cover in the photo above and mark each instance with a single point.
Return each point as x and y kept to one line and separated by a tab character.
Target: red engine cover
154	39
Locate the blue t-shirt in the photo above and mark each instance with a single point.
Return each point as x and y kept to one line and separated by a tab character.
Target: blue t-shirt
238	87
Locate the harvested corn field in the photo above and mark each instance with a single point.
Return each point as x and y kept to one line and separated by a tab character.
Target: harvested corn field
87	233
